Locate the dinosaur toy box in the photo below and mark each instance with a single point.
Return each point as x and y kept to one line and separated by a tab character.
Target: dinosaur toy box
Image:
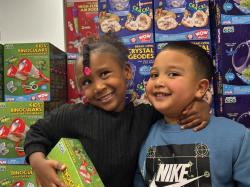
79	169
34	71
15	120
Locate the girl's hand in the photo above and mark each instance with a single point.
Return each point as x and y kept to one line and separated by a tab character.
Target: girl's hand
46	171
196	115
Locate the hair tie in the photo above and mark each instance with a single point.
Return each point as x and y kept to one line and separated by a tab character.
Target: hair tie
86	68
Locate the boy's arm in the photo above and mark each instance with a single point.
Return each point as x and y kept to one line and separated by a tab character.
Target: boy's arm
241	168
196	115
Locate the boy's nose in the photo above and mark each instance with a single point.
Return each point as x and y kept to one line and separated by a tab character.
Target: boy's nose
159	82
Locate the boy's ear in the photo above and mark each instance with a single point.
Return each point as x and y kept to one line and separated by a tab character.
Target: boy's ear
202	88
128	72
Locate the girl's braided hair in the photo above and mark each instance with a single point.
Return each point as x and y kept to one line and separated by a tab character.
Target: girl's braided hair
107	43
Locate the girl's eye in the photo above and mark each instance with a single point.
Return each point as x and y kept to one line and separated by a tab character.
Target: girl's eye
173	74
153	75
105	74
86	82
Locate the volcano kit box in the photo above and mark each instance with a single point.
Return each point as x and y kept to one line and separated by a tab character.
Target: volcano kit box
17	176
79	169
34	71
15	120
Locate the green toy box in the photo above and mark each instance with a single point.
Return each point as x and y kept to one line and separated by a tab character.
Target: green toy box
17	176
34	71
80	171
15	120
1	72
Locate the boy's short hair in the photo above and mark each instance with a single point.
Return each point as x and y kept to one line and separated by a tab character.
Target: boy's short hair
202	61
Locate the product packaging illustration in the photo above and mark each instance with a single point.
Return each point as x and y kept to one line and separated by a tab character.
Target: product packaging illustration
181	20
81	22
17	176
1	73
34	71
15	120
233	59
235	107
141	58
79	169
131	20
232	12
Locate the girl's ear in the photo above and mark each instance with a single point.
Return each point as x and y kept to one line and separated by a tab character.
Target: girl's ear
128	72
202	88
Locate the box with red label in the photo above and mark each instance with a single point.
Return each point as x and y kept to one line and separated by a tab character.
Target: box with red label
17	176
79	171
176	20
34	72
81	22
73	94
15	120
131	20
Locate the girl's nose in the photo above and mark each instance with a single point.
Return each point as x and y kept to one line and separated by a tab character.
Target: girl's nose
99	87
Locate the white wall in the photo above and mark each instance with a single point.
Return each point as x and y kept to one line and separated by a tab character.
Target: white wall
23	21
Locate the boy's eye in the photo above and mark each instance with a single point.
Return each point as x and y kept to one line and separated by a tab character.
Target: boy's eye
153	75
86	82
173	74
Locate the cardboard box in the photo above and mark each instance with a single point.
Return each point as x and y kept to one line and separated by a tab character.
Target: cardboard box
181	20
1	72
81	22
80	171
131	20
34	71
15	120
17	176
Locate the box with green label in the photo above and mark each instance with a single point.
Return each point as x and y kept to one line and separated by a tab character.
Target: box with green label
15	120
1	72
17	176
79	171
34	71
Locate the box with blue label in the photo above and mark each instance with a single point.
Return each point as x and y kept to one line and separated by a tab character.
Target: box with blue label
181	20
140	58
232	12
131	20
235	107
15	120
233	59
79	171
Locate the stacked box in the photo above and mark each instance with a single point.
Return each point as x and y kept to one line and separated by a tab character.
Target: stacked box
181	20
79	171
15	120
131	20
1	72
17	176
34	71
81	22
232	12
235	107
140	58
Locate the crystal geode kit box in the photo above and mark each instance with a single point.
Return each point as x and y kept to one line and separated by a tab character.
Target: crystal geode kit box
181	20
131	20
15	120
34	71
79	169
